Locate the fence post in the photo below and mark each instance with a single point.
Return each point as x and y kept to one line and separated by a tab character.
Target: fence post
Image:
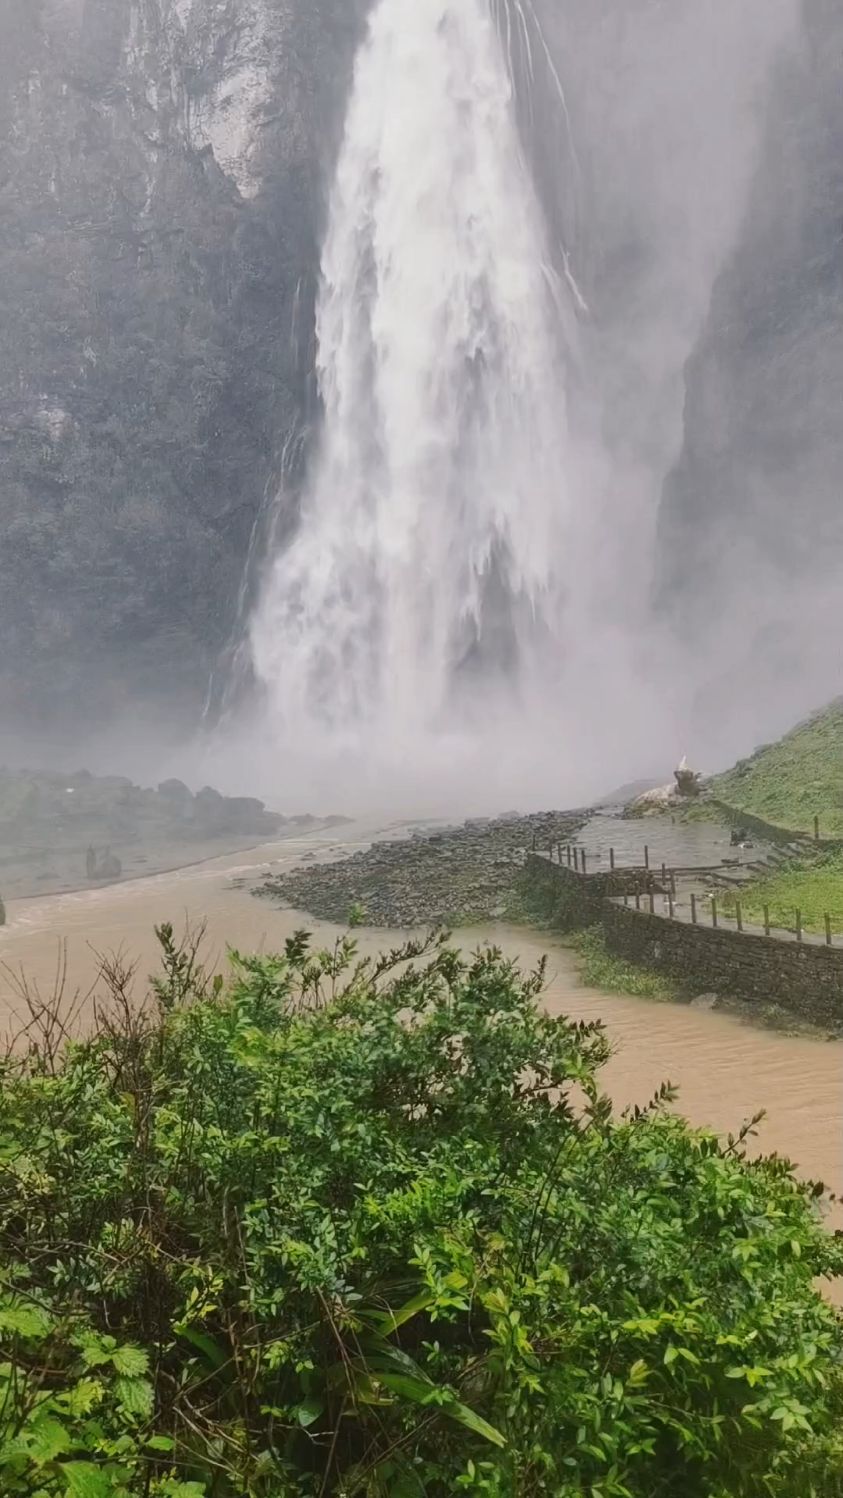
612	859
816	829
568	854
637	899
739	915
584	864
714	911
828	930
766	920
534	842
626	899
670	903
664	873
693	910
799	925
646	857
652	903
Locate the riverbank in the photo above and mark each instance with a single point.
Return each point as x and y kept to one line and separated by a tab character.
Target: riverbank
725	1071
436	876
65	832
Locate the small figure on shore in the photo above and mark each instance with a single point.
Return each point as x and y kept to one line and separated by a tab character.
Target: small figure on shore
740	838
108	867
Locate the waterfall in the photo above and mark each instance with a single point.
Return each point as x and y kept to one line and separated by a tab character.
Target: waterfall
427	576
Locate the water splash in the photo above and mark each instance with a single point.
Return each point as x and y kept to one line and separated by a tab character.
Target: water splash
428	571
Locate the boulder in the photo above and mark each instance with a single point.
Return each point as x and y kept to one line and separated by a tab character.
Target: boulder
688	781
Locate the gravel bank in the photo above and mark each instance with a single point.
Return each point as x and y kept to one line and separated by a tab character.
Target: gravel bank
448	877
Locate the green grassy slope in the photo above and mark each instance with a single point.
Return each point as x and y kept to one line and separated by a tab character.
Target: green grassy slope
814	888
794	780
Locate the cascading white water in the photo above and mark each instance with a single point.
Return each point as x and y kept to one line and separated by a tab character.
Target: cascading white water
426	571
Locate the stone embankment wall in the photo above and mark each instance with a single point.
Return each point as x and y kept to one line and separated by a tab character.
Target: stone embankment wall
570	900
770	833
805	978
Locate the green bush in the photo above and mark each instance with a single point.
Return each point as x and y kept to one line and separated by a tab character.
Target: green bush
371	1228
600	969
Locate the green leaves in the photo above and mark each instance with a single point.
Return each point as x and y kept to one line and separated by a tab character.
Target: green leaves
45	1439
421	1391
85	1480
135	1397
374	1227
130	1361
24	1319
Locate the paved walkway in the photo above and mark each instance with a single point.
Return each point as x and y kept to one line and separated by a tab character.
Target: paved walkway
702	859
678	844
682	911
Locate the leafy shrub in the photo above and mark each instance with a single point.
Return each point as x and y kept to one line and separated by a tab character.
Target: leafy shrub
371	1228
600	969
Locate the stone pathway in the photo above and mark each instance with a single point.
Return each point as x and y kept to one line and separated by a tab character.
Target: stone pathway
702	861
670	841
682	911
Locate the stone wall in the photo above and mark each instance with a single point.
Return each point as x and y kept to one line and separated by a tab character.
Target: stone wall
782	836
568	900
565	899
804	978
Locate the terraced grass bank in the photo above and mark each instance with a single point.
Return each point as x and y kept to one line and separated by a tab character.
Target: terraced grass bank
789	783
813	888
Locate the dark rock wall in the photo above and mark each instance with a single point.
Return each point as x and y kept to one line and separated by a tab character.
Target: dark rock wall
752	520
162	167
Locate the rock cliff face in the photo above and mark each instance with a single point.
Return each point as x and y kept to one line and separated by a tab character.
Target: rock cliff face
161	183
753	509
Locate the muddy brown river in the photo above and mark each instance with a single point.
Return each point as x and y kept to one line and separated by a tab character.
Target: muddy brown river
725	1070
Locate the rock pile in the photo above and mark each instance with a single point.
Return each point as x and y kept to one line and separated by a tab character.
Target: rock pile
453	877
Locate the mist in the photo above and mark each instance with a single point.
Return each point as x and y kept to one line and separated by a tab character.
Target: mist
402	424
642	208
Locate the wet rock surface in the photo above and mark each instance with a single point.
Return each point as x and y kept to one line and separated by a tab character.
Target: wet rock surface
449	876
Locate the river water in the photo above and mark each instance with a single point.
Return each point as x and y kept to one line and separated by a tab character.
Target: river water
726	1071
